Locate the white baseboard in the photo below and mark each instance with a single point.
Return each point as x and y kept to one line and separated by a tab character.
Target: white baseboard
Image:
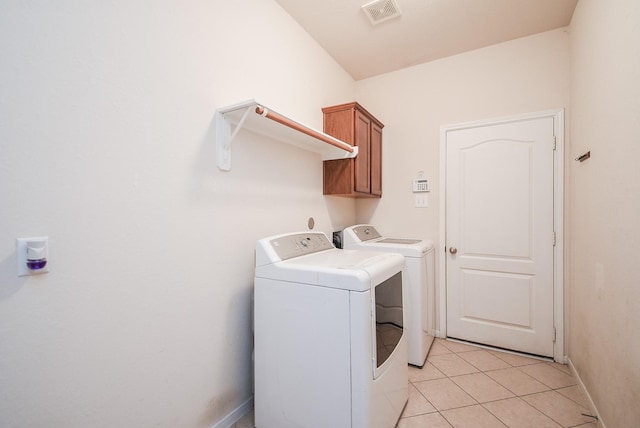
592	406
235	415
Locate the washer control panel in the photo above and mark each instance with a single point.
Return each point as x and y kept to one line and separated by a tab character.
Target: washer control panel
366	232
295	245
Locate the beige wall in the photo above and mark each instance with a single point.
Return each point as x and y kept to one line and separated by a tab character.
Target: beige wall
604	340
107	146
525	75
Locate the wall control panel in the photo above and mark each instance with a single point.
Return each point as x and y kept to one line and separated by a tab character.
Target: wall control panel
421	185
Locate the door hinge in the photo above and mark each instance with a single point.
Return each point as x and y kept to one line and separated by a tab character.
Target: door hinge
555	142
554	238
555	333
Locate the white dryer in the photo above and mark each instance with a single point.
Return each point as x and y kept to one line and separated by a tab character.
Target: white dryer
420	301
330	348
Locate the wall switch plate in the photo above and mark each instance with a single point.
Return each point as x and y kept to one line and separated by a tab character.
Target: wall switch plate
421	200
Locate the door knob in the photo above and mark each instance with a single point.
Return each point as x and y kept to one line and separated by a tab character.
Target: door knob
453	250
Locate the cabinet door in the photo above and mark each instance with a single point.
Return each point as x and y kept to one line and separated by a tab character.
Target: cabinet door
363	160
375	153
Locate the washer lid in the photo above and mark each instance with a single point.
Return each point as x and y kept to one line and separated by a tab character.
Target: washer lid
360	237
354	270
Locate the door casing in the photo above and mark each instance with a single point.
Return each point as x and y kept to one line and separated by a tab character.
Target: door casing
558	223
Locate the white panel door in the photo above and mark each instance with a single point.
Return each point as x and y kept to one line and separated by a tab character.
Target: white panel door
499	235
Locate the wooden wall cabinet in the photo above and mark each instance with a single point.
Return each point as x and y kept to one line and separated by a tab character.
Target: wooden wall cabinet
360	176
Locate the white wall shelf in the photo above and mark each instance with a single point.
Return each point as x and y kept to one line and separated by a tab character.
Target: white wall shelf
260	119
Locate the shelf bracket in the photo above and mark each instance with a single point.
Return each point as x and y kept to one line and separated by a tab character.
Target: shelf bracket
224	137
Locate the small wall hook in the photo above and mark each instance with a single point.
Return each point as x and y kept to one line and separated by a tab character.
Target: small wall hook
584	157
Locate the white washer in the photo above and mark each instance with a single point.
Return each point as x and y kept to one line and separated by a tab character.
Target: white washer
420	301
324	357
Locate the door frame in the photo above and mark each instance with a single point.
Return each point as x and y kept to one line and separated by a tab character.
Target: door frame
558	220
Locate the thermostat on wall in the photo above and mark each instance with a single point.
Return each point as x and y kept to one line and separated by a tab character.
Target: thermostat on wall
421	185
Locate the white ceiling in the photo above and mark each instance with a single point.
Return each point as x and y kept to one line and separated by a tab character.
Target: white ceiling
426	29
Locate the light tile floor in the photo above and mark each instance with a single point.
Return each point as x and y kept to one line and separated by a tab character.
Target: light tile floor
464	386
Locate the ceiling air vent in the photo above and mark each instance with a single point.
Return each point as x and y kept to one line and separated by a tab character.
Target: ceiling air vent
381	10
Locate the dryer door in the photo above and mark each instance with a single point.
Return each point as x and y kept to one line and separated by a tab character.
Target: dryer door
388	318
